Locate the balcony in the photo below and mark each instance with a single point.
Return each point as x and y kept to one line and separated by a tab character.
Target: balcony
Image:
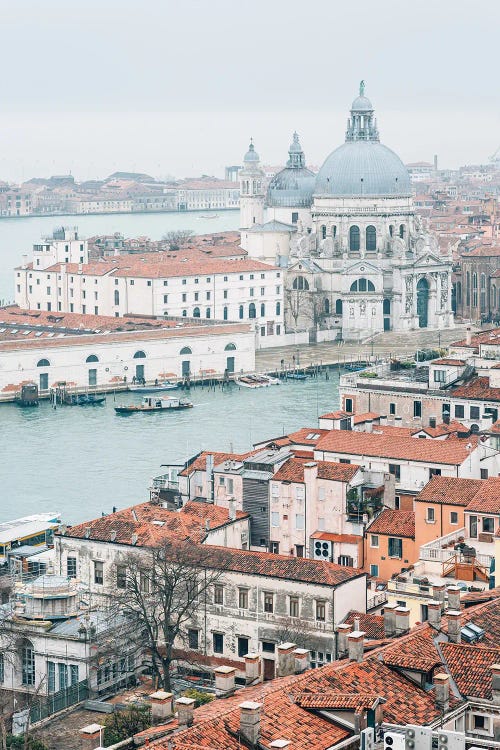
164	482
472	562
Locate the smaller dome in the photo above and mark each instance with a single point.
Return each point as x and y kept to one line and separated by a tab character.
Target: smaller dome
295	147
361	104
251	155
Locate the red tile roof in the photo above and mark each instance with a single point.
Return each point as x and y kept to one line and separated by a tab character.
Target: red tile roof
470	668
336	415
200	462
394	523
478	389
336	701
293	471
366	417
452	451
328	536
371	625
453	428
417	652
487	499
449	490
303	436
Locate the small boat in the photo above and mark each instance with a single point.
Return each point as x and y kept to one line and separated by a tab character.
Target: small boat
256	381
84	399
151	404
166	385
209	216
28	395
296	376
356	366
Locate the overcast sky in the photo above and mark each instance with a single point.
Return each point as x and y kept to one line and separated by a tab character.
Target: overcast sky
164	87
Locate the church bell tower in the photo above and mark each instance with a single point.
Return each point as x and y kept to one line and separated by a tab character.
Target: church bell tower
252	192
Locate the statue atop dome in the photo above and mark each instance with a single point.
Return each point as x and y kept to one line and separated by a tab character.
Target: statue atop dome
361	88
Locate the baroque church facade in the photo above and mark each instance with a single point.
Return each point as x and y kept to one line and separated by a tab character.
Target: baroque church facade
359	259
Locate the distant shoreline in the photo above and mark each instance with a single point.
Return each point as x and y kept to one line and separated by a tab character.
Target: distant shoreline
117	213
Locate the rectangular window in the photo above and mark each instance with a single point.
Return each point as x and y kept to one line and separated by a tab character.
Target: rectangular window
434	473
430	515
474	412
374	570
243	598
489	525
243	648
165	298
218	593
208	295
71	567
73	674
395	547
184	297
193	639
395	470
481	722
294	606
268	602
299	550
299	521
63	676
98	572
374	540
251	291
453	517
392	409
439	376
268	647
275	520
274	548
51	677
484	473
320	611
218	643
459	411
225	293
417	408
121	576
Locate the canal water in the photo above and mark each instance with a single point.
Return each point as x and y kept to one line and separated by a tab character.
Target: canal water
18	235
82	461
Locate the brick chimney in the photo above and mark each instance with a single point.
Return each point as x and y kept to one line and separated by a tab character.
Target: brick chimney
356	645
161	706
454	625
342	633
453	597
185	711
495	684
250	721
390	620
302	659
224	681
253	668
90	736
286	659
438	592
434	613
442	691
402	620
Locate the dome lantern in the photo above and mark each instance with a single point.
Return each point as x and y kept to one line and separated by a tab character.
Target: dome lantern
362	126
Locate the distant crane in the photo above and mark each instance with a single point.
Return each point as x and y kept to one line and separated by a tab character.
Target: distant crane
496	156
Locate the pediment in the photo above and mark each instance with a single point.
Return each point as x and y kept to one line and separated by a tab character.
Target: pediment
362	267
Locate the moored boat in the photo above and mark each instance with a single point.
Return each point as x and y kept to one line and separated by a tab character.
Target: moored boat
166	385
150	404
296	376
256	381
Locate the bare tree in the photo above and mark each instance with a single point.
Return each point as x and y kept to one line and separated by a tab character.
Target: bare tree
163	589
176	238
292	630
297	304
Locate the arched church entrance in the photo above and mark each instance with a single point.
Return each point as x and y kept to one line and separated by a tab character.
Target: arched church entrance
422	302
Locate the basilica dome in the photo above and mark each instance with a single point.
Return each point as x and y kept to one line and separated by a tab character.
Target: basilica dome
362	166
293	187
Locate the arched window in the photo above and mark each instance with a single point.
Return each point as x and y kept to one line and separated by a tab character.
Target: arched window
27	653
92	358
207	312
252	313
323	232
474	290
354	239
326	306
43	363
483	293
338	307
196	312
402	230
300	283
467	288
186	350
386	306
458	292
391	230
362	285
117	297
184	313
224	313
278	308
230	348
139	355
493	296
262	310
241	312
371	239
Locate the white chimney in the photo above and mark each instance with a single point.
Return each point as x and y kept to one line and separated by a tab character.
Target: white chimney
224	681
453	597
402	620
302	659
253	668
390	620
232	509
250	713
468	336
286	659
342	634
434	613
453	618
185	711
442	691
356	645
161	706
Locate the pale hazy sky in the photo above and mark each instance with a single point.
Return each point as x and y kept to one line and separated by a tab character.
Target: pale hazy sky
177	87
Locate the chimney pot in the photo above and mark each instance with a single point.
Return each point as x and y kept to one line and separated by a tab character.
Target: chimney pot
185	711
302	658
434	613
250	721
390	620
402	620
161	705
438	592
342	633
90	736
453	618
356	645
232	509
224	680
253	671
442	691
468	336
453	597
286	659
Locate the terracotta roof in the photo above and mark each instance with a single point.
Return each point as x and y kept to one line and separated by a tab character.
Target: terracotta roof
394	523
336	701
371	625
304	435
477	389
449	361
328	536
417	652
495	427
451	451
200	462
293	471
449	490
440	430
487	499
485	616
470	668
366	417
478	597
336	415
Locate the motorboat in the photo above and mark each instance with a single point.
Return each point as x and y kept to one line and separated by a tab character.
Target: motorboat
256	381
296	376
165	385
209	216
150	404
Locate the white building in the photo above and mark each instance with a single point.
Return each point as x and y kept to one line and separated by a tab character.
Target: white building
354	249
60	279
207	194
84	350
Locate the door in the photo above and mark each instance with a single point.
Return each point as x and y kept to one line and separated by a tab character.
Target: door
186	368
230	364
268	669
387	324
44	381
473	527
92	377
139	372
422	302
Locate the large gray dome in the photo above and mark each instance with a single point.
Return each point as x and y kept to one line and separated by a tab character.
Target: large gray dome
363	167
293	187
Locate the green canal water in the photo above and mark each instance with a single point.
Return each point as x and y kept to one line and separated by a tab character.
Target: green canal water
82	461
